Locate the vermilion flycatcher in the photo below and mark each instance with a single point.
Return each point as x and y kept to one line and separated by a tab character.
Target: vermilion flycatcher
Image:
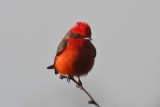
75	54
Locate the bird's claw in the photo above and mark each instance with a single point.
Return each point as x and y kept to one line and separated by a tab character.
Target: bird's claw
68	78
79	84
61	77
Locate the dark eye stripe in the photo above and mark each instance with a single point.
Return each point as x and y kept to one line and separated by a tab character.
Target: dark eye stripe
76	36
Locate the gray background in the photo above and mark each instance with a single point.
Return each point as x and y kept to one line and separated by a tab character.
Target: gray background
126	34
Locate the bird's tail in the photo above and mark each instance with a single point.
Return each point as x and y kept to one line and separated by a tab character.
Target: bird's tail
50	67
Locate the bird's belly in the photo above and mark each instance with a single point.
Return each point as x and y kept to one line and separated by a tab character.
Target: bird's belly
73	63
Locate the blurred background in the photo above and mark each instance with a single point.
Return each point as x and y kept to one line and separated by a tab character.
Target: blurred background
126	34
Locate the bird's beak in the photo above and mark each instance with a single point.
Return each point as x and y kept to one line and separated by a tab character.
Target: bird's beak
88	38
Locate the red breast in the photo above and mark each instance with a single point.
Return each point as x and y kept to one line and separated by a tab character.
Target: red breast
77	58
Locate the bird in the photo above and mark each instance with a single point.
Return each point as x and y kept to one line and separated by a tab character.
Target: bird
76	54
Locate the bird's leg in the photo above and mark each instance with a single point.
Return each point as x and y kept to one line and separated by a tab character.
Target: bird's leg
79	83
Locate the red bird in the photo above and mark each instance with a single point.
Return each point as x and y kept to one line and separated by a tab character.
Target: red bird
75	54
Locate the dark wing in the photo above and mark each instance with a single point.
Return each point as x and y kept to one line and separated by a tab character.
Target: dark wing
61	46
60	49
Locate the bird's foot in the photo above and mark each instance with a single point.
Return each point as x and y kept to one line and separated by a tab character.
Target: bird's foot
61	77
70	77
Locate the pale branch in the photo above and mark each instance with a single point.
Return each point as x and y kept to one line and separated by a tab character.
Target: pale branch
91	101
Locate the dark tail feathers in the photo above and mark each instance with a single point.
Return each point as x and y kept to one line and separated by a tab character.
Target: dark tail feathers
50	67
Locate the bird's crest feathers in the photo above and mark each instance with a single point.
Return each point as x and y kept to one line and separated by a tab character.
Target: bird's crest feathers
81	28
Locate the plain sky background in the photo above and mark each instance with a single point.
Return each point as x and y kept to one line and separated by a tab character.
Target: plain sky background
126	34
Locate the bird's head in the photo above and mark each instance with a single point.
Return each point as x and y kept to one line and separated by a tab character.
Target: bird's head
82	29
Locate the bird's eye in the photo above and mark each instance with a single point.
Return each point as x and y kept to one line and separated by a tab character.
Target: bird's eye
77	35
